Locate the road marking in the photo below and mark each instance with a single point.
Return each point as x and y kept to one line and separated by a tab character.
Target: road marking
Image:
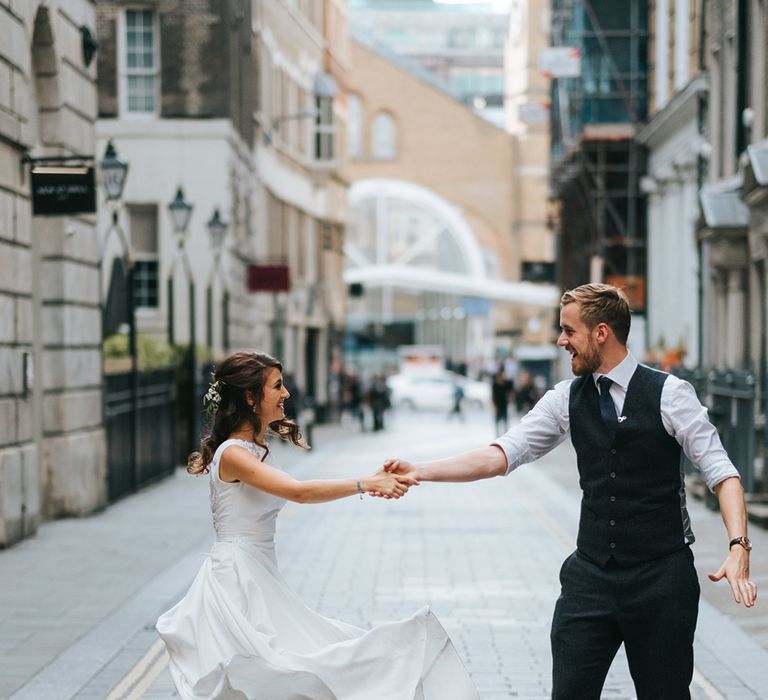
709	690
139	678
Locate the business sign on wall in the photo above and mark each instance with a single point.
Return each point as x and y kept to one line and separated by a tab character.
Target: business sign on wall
560	62
63	189
533	113
269	278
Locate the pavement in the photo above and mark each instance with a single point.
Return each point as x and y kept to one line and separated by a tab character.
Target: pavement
80	599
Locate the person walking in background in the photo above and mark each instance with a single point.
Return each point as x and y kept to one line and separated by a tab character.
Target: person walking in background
378	400
501	393
353	399
525	394
457	400
240	631
631	579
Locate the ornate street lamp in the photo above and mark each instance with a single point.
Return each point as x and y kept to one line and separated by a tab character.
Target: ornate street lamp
217	231
113	173
181	213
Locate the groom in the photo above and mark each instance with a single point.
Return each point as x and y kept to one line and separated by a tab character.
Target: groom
631	578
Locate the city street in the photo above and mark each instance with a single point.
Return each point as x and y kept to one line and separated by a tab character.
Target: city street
82	596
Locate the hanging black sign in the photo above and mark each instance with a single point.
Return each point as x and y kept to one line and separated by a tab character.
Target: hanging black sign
63	189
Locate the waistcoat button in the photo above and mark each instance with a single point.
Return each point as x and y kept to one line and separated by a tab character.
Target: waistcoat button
613	498
612	522
613	452
613	545
613	475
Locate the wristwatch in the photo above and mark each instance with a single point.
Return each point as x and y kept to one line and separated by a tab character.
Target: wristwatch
743	541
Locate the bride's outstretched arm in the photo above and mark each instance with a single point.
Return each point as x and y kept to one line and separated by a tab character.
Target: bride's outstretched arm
237	464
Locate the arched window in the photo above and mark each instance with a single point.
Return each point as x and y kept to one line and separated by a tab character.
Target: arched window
384	137
355	126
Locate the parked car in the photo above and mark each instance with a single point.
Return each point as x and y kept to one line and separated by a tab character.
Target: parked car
434	390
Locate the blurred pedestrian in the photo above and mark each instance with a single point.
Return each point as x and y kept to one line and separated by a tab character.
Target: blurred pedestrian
240	631
378	400
457	400
352	399
501	393
525	394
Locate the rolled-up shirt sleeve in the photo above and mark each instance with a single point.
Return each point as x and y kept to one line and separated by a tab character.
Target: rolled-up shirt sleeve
540	430
687	421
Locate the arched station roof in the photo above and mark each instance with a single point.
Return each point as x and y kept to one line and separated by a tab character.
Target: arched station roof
405	236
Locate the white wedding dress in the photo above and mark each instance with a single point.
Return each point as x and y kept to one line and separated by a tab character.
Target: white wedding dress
240	632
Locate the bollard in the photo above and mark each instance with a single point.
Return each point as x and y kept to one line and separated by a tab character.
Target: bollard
733	413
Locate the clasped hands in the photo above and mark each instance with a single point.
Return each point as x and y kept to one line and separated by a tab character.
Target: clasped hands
393	480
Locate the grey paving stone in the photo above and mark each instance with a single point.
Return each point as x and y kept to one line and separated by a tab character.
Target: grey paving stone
465	549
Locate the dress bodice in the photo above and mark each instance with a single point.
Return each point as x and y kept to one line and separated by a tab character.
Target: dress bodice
240	510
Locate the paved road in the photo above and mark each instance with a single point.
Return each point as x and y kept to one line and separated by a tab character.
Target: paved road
80	599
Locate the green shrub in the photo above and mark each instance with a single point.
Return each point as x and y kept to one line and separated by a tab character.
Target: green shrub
152	352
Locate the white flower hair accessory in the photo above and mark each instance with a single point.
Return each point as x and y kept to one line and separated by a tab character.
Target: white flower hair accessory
212	397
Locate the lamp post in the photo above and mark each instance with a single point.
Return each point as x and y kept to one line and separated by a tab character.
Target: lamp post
217	230
114	172
181	213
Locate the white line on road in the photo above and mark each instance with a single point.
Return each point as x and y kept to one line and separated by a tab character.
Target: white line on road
138	679
706	687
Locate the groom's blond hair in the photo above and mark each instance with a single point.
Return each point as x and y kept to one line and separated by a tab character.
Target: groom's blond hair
601	303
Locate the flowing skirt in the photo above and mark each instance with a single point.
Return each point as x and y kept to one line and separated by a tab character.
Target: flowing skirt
240	632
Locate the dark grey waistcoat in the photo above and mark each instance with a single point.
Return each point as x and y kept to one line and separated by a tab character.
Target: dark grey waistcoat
633	507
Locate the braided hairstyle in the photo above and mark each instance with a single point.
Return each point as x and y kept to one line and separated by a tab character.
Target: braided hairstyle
236	377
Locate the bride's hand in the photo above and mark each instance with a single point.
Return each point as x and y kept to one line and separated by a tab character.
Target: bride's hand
382	483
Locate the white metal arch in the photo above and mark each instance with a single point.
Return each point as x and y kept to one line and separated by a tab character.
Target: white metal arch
419	196
472	281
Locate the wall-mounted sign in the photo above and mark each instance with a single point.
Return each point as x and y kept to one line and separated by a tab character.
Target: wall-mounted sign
560	62
63	189
533	113
269	278
536	271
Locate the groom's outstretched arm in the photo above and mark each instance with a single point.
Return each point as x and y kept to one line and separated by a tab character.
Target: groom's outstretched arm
477	464
539	431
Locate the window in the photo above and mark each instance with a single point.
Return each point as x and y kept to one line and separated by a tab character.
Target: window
140	62
355	127
324	130
146	284
384	136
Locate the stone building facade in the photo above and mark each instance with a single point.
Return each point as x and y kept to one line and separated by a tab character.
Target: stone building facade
299	164
52	454
677	91
176	97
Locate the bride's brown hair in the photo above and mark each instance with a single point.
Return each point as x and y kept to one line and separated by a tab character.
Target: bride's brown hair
239	375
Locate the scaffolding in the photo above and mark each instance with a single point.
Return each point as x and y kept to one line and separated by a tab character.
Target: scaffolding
596	163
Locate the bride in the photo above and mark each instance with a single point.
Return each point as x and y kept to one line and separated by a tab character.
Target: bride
240	632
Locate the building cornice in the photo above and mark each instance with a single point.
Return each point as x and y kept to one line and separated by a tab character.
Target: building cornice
675	114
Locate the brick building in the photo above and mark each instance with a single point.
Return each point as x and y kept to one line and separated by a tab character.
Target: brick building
52	457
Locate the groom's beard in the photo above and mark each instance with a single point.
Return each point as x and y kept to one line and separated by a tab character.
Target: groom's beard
587	361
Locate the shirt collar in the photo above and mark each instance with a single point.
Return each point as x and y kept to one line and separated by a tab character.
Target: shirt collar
621	373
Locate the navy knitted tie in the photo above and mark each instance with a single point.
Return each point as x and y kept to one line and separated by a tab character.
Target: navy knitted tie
607	407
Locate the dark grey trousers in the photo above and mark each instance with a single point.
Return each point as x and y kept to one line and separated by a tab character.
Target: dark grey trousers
650	607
